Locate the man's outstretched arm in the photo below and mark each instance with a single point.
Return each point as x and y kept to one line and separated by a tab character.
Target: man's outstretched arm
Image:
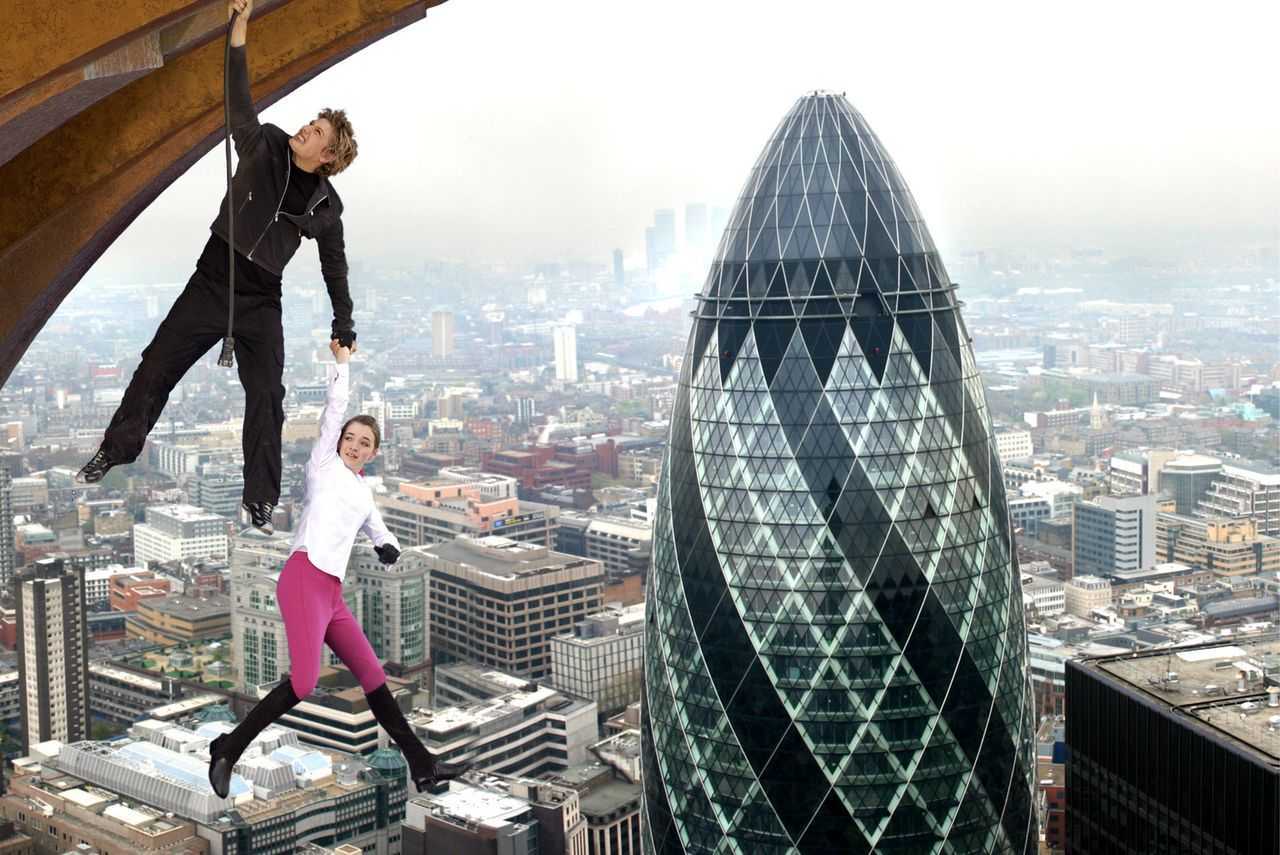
333	267
246	131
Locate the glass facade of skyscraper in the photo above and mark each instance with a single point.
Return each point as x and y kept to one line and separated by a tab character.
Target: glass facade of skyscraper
835	654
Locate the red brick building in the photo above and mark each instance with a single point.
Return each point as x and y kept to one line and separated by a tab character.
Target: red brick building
126	590
536	468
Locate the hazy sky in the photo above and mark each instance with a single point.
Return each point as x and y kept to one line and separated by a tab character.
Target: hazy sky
522	131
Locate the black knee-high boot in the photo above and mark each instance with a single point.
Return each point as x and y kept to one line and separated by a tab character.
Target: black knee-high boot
424	769
225	751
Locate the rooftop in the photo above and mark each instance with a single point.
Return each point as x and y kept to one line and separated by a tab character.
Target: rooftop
1191	461
482	806
185	513
504	558
1224	686
190	608
447	724
608	798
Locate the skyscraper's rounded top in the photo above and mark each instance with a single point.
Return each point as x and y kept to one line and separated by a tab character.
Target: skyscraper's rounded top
824	189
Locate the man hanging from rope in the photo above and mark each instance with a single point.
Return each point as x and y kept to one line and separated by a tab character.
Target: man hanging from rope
282	193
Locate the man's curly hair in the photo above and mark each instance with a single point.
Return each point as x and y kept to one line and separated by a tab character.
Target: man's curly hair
343	147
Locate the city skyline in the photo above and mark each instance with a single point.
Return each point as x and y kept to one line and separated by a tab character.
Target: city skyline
809	514
1013	141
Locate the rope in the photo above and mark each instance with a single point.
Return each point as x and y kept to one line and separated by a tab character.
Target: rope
227	358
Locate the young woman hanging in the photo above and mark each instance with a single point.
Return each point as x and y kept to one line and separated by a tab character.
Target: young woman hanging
338	506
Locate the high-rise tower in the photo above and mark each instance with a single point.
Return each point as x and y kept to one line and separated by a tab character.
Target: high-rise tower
53	653
835	655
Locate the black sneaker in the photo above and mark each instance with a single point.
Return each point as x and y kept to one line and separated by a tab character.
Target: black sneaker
260	515
93	471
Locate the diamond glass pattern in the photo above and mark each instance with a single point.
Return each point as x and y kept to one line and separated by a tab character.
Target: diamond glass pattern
835	657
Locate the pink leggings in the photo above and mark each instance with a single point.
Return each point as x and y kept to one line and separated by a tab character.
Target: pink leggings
314	612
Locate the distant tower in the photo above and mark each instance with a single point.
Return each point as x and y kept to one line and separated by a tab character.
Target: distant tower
53	655
619	277
664	227
441	334
695	224
526	409
1097	418
566	345
8	557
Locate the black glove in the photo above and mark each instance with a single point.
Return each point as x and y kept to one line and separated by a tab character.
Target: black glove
345	338
387	553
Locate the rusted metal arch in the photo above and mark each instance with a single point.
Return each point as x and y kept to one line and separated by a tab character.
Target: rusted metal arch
103	104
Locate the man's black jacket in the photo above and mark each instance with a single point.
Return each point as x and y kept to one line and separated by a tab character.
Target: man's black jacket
258	190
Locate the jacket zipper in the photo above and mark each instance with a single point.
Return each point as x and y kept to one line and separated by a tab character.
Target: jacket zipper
317	204
277	215
243	204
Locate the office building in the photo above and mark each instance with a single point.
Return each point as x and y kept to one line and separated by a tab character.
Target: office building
283	796
438	511
529	731
394	609
461	684
489	486
53	652
178	619
336	715
496	815
10	703
526	409
611	540
1188	479
566	353
177	532
610	794
1060	495
1045	597
97	585
829	419
29	494
126	590
1047	661
219	491
442	335
57	813
1083	594
619	274
537	469
1127	474
1228	547
1113	534
664	233
8	548
123	695
1013	444
498	602
695	224
1245	490
1174	751
602	659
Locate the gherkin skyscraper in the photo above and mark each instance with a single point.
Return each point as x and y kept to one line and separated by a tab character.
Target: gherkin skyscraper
835	658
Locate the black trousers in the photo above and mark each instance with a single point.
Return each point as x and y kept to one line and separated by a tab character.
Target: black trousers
196	323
